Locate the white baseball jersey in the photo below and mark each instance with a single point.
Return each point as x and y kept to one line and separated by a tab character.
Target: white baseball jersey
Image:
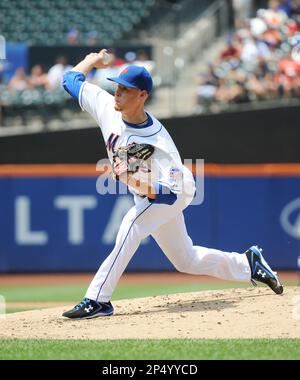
166	164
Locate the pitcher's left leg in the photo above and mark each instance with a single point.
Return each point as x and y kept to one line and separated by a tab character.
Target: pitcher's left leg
173	239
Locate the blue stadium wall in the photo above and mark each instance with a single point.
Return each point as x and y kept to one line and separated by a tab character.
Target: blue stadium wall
53	220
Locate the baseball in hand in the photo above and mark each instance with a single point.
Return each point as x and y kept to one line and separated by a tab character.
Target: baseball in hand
106	58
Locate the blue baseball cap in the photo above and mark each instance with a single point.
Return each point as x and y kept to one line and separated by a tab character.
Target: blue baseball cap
135	77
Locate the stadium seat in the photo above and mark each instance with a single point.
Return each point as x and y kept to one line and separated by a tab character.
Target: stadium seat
35	21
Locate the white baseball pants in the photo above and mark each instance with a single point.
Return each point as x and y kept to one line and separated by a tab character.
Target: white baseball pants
166	224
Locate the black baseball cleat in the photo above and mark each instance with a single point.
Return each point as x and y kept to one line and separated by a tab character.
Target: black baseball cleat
88	309
260	270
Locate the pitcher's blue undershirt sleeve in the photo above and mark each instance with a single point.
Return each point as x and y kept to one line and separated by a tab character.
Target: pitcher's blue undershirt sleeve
72	81
163	195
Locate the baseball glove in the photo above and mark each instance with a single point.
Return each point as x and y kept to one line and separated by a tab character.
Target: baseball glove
129	158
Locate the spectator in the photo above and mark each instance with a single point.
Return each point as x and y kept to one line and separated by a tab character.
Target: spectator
274	17
56	72
73	37
142	59
271	37
264	51
206	89
230	51
270	86
296	86
286	7
249	52
92	38
283	83
258	25
256	88
38	79
130	58
295	8
19	82
242	10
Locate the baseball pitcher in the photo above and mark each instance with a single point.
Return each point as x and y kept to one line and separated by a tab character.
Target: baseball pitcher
145	158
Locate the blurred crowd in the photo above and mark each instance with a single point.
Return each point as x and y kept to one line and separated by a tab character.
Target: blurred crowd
50	81
75	38
257	61
38	78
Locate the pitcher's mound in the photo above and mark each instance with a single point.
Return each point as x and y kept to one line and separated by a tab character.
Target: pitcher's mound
231	313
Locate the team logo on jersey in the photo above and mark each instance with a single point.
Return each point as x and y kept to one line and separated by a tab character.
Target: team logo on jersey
175	178
175	174
111	142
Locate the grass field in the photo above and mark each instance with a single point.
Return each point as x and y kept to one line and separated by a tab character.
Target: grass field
134	349
151	349
74	293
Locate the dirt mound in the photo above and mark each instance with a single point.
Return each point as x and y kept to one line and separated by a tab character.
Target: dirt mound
231	313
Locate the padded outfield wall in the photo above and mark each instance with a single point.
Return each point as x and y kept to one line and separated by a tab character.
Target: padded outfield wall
53	219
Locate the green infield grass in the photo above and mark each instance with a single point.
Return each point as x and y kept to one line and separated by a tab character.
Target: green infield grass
74	293
163	349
